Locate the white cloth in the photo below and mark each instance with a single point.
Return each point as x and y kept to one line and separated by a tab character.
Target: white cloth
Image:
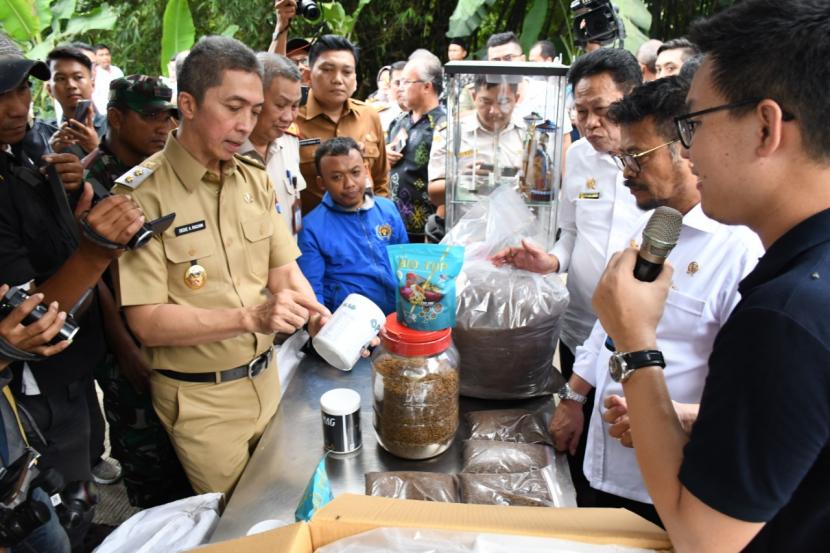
101	92
478	145
177	526
709	261
597	214
388	115
282	163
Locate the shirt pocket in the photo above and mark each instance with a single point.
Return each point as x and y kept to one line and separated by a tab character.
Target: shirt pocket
683	319
258	231
182	253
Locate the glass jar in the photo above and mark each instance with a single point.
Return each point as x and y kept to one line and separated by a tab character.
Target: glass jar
415	383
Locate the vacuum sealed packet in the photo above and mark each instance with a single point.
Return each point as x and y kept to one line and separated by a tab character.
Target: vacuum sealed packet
425	275
423	486
528	489
511	425
493	457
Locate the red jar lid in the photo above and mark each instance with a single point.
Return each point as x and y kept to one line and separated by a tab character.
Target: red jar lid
402	340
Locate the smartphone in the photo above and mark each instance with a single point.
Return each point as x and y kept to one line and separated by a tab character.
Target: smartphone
81	110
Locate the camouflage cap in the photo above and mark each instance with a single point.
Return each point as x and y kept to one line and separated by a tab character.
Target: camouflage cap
142	94
14	67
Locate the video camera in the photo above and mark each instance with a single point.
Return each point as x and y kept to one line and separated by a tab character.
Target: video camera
596	21
21	514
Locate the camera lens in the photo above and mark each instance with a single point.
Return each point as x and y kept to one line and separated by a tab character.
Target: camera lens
309	9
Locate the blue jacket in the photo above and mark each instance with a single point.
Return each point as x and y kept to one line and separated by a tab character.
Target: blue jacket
345	251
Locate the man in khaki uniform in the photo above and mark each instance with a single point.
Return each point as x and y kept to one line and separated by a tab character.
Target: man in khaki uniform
330	111
207	296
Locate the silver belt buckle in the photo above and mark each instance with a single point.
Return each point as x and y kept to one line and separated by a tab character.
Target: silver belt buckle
254	367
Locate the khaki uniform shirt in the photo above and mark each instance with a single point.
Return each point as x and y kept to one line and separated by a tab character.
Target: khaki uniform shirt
228	225
361	122
478	145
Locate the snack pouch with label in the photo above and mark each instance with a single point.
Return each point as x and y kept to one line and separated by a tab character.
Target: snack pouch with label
425	275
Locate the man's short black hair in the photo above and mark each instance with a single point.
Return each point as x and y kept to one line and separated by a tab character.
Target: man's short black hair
337	146
397	66
82	45
68	53
547	48
484	81
620	64
690	67
207	62
327	43
99	47
662	100
500	39
778	50
689	48
459	42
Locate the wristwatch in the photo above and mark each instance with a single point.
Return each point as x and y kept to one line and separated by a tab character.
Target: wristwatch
566	392
622	365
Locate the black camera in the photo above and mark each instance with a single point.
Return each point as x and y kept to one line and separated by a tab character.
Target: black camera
596	21
309	9
16	296
21	514
141	238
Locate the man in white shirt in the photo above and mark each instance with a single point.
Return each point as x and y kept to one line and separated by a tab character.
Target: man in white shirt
105	72
710	259
274	141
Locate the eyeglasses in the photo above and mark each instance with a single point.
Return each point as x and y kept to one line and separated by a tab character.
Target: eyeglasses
686	126
507	57
632	161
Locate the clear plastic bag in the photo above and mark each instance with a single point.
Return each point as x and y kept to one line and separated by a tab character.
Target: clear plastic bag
526	489
493	457
511	425
423	486
507	320
414	540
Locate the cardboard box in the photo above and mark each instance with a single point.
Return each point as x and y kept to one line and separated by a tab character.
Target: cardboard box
351	514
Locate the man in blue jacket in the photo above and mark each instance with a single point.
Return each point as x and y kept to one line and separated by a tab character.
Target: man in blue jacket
344	239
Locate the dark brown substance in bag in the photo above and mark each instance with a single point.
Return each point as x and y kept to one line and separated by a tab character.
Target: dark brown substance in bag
511	425
492	457
423	486
527	489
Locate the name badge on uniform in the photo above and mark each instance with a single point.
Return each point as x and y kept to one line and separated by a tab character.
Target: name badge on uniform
589	195
190	227
310	142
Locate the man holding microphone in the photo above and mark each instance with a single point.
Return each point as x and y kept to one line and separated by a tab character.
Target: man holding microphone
754	474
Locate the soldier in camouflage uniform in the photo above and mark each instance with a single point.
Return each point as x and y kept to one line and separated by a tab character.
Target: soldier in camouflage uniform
141	116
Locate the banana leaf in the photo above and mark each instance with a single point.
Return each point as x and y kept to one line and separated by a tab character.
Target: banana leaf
178	32
19	20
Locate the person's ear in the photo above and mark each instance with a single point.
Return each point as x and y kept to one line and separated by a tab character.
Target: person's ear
320	183
49	89
115	118
770	127
187	105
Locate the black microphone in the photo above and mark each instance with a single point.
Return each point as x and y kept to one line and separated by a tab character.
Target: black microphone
659	239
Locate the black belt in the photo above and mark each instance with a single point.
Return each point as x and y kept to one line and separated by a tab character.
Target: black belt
250	370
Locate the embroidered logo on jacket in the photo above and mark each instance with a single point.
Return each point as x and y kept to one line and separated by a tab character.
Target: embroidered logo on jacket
384	231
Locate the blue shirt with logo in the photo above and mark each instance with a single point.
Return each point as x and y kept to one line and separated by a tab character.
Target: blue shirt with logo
344	251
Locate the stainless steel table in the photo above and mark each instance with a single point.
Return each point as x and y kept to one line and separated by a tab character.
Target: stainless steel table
292	446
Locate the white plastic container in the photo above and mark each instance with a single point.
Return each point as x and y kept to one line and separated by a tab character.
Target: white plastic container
351	327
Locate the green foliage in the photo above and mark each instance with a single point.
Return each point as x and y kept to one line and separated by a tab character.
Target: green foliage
335	18
533	23
637	21
468	16
177	33
19	19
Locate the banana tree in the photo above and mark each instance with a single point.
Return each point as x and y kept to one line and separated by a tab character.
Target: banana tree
177	33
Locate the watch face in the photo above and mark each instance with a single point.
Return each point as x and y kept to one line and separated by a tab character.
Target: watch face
616	366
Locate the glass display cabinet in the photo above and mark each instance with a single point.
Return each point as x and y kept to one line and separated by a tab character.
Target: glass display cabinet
505	125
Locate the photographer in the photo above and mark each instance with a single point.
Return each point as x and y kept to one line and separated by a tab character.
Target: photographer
33	338
40	245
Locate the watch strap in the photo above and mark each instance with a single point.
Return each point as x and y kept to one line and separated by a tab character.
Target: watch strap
644	358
